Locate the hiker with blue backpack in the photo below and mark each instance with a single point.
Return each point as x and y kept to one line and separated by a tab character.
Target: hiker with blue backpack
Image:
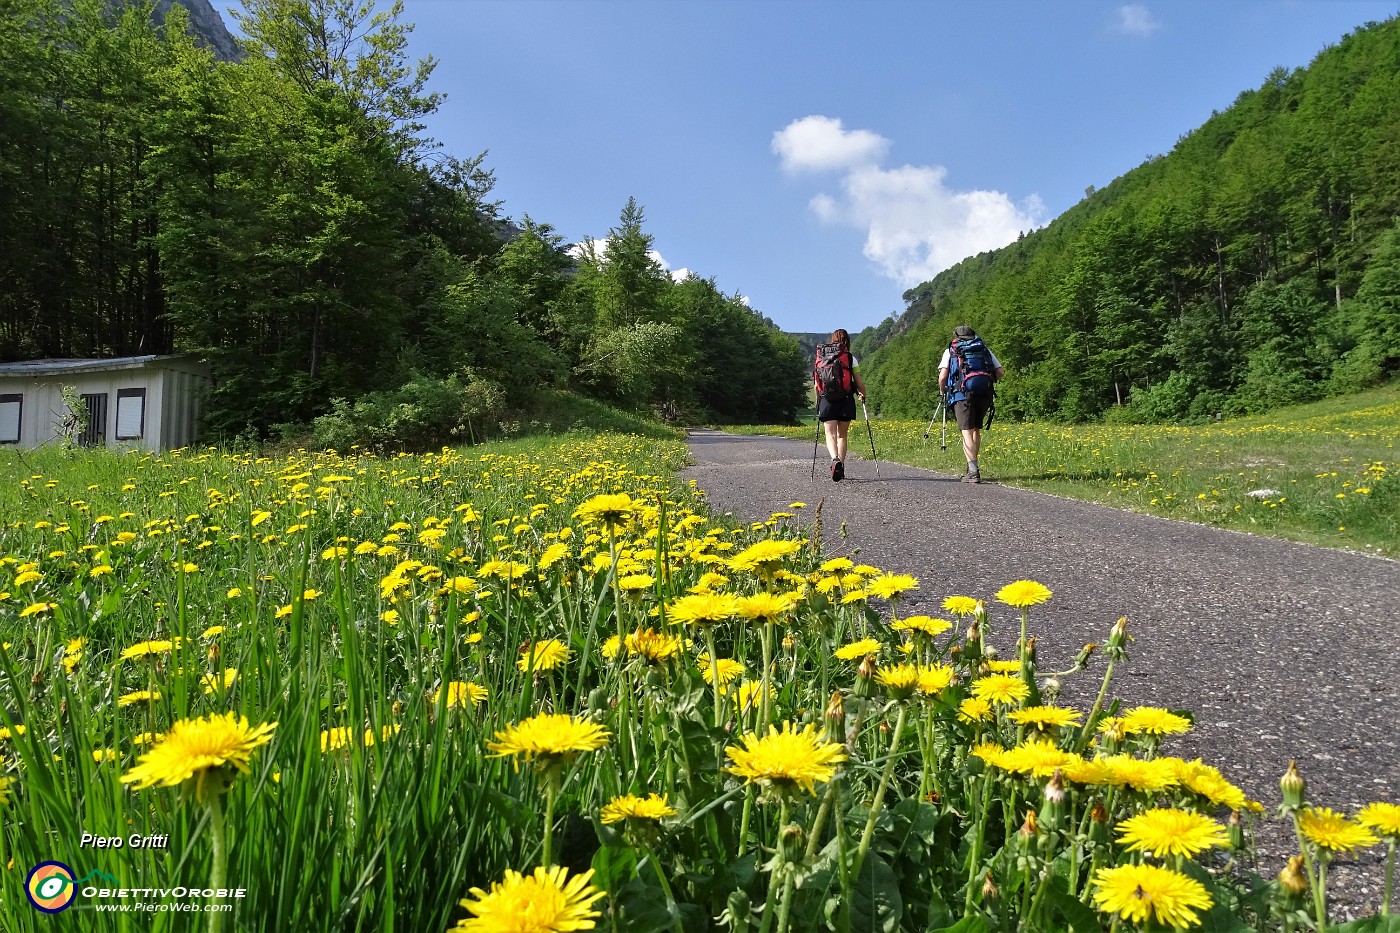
967	376
837	381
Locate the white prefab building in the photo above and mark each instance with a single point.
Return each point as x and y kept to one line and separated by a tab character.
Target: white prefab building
150	402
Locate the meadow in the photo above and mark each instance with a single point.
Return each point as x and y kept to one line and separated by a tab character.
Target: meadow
1327	473
535	686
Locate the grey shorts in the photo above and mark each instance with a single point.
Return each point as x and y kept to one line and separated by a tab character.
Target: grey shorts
972	411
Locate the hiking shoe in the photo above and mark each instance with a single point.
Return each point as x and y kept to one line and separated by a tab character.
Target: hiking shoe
838	471
972	476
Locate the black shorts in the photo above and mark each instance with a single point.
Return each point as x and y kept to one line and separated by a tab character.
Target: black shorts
841	409
972	411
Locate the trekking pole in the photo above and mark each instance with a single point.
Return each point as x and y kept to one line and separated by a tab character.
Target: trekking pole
815	441
871	431
944	406
929	430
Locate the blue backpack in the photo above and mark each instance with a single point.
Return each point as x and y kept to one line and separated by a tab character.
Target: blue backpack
971	370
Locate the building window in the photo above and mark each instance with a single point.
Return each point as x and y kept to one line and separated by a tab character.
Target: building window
131	414
11	410
95	434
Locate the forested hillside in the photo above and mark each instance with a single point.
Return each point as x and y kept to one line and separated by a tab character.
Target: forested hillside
286	216
1256	265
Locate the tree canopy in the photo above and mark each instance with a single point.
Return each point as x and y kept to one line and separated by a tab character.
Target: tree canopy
1253	266
286	216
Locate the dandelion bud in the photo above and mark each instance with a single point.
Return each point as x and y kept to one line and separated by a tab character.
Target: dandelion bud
1291	881
1112	737
989	888
836	718
955	653
740	911
1028	655
790	644
1052	807
974	632
1051	687
1235	827
214	651
1293	786
791	841
1085	653
1098	824
1030	828
1118	638
655	680
397	708
865	677
979	611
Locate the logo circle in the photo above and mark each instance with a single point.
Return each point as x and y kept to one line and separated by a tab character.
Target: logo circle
51	887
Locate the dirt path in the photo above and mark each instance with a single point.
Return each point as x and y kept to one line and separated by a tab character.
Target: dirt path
1282	650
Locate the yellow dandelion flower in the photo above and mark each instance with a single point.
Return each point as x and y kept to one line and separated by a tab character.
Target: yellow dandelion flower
547	901
786	759
1000	688
212	631
858	649
764	557
901	680
1000	666
553	555
974	709
193	748
1036	757
1149	777
1328	829
766	607
146	649
891	585
1046	717
544	655
548	737
1023	593
934	678
837	565
1164	831
1154	721
702	609
138	696
461	694
34	609
609	510
749	694
922	624
1201	778
1139	892
636	583
215	682
726	668
1384	818
961	605
631	807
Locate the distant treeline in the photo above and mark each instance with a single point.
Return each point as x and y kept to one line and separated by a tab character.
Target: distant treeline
1256	265
286	216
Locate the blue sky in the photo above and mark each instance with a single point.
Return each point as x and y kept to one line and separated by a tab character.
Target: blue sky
821	156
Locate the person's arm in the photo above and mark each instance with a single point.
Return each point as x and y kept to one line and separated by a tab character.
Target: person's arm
860	383
943	381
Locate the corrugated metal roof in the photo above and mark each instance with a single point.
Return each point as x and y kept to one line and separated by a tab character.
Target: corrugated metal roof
57	367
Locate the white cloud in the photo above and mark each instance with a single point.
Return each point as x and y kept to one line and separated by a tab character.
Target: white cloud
579	250
1135	19
915	224
818	143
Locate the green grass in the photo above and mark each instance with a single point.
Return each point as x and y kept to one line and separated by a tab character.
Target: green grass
343	602
1333	463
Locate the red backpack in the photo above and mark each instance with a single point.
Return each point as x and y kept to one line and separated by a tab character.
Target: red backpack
833	371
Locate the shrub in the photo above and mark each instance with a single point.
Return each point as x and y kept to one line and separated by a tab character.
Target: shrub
423	414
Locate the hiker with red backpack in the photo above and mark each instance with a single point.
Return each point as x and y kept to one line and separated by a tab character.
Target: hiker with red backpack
836	377
967	375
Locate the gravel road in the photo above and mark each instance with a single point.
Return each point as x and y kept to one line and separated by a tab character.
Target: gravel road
1284	651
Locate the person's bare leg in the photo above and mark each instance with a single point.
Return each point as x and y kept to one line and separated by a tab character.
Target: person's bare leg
832	443
841	428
